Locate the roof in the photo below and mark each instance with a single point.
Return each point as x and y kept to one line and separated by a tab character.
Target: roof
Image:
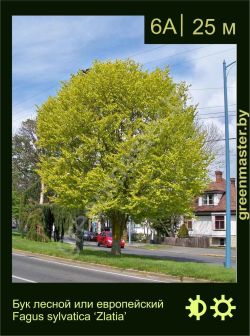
215	187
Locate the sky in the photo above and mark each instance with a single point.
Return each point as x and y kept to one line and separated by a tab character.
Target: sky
48	49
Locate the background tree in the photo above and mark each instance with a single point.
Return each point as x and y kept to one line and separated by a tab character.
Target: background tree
214	145
120	141
16	199
167	227
37	221
24	163
28	203
24	156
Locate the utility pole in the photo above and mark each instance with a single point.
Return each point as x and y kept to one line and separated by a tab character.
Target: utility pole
228	183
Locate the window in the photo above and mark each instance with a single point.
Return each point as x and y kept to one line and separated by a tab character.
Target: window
219	223
204	200
222	241
190	225
208	199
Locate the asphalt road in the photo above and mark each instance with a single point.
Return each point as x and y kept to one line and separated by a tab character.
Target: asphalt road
27	268
215	256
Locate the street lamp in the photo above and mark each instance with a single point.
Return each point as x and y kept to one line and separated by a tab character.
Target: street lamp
228	187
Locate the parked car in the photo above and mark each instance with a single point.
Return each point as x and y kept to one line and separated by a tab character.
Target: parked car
93	236
86	235
14	223
105	238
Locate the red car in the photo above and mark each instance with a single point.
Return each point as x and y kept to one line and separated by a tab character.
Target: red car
105	238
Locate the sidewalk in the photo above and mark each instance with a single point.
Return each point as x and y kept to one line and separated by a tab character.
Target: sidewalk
220	251
211	251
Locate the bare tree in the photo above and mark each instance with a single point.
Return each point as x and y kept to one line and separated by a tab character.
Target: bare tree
214	144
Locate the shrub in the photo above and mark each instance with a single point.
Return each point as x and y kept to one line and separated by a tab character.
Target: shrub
183	232
139	237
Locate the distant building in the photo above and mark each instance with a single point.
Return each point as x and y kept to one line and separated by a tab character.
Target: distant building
210	213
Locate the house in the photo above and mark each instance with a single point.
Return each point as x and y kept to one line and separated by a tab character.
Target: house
210	213
141	231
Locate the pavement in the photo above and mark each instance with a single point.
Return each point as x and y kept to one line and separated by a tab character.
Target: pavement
29	267
33	268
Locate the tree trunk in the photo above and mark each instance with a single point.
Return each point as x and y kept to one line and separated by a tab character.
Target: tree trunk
79	242
62	232
56	234
118	220
116	237
80	221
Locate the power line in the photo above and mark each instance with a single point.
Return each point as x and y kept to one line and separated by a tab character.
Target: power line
18	104
220	140
230	115
138	53
172	55
186	51
200	118
143	52
38	94
217	112
204	107
200	108
176	54
207	107
215	88
207	115
201	115
194	59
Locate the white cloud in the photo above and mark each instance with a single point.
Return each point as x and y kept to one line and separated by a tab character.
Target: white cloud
21	113
45	46
47	49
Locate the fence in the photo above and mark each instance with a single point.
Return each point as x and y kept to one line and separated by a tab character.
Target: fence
188	242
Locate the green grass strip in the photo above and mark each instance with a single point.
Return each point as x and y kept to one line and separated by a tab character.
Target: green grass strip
141	263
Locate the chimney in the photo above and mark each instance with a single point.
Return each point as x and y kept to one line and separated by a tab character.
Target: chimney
218	175
232	179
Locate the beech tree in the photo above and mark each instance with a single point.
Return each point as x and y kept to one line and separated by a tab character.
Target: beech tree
122	141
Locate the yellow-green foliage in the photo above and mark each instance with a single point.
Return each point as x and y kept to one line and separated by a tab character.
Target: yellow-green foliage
119	138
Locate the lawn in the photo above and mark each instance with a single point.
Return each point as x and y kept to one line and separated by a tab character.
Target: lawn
204	271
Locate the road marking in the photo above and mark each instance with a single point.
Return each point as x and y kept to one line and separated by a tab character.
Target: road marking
27	280
89	269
